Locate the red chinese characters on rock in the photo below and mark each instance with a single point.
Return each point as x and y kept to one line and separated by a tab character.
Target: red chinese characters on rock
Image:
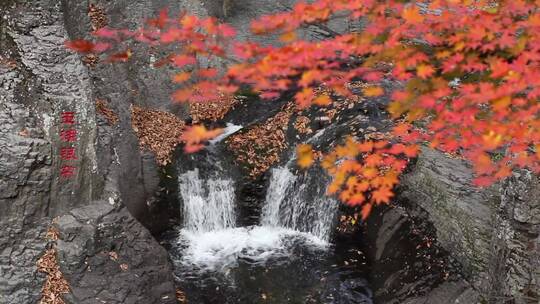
68	118
67	171
69	135
68	153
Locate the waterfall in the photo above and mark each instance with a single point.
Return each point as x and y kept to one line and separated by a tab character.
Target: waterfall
275	195
299	204
208	204
296	211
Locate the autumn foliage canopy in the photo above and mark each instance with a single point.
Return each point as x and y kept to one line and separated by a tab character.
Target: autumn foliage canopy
469	75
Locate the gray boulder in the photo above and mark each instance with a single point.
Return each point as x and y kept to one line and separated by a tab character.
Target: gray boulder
493	232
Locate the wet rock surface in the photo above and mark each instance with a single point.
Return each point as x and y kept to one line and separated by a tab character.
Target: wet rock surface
407	263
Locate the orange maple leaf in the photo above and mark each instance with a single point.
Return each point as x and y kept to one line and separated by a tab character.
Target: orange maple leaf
382	195
412	15
356	199
424	71
181	77
322	100
196	135
288	37
366	210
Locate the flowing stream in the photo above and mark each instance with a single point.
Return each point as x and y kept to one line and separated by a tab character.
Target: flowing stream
287	258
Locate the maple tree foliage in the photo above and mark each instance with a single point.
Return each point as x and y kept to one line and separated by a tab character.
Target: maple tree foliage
468	70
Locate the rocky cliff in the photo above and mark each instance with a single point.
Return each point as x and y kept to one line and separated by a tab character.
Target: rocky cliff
39	81
493	233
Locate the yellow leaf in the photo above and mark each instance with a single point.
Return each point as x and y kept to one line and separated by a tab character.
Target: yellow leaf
373	91
370	172
502	103
322	100
492	9
459	46
443	54
307	78
424	71
288	37
396	109
305	155
492	140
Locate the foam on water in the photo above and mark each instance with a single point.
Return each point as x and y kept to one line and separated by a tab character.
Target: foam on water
219	250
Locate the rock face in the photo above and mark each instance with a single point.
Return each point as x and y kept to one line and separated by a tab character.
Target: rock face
515	264
40	80
108	257
493	233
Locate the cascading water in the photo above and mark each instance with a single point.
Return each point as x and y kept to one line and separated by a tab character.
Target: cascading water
212	242
295	210
208	204
287	258
299	204
280	182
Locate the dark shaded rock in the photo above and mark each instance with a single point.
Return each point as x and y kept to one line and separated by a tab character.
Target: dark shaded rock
108	257
461	212
407	264
250	198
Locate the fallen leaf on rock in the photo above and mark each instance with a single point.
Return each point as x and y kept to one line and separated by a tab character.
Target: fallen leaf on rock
90	60
181	296
98	18
157	131
55	284
52	234
302	125
103	109
211	110
260	146
113	255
